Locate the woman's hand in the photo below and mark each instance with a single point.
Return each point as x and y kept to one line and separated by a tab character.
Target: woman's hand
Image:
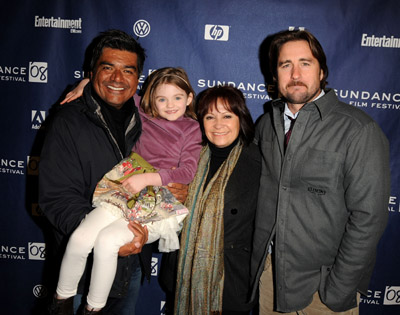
76	92
141	235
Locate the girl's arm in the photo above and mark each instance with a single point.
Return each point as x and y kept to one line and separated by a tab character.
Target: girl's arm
137	182
76	92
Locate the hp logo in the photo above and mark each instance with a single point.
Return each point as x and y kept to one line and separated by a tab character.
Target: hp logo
216	32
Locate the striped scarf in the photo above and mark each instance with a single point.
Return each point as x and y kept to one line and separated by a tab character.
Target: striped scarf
200	277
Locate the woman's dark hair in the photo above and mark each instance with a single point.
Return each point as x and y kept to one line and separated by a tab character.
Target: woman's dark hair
234	101
281	38
116	39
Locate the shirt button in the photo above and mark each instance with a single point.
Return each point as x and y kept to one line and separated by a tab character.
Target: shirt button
284	187
234	211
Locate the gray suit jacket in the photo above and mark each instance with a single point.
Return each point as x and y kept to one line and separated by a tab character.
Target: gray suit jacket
328	195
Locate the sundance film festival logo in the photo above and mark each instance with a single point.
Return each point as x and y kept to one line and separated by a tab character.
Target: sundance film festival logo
12	252
154	266
11	166
141	28
216	32
36	251
38	72
37	118
33	165
394	205
392	296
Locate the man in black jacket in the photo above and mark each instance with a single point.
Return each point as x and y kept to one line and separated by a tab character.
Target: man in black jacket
86	139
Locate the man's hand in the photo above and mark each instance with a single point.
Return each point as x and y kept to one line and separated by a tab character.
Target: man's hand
180	191
135	247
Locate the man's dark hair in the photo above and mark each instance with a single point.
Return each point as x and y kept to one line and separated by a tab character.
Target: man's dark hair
116	39
281	38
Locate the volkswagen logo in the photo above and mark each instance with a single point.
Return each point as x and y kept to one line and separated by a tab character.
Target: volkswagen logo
141	28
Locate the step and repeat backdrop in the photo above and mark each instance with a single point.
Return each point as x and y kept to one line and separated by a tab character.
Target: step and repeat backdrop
217	42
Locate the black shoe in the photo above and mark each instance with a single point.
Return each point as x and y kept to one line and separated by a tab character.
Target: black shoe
62	307
90	312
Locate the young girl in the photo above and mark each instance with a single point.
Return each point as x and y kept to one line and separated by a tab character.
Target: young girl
171	143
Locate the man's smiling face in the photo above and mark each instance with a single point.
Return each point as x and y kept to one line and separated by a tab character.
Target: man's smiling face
116	76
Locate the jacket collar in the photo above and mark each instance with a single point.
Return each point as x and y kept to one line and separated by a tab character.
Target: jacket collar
324	105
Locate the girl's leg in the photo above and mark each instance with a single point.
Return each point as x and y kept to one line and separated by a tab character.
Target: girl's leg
79	246
106	248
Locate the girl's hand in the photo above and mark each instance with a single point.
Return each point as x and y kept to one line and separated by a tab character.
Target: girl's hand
76	92
136	183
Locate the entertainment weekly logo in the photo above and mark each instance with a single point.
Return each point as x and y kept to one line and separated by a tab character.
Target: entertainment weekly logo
370	99
35	72
379	41
74	25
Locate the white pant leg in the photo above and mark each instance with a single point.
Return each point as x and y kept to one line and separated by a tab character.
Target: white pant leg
106	248
79	246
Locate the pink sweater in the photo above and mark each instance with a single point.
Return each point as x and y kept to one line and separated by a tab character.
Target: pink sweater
166	144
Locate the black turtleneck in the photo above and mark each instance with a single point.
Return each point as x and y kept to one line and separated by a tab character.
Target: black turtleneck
218	156
117	119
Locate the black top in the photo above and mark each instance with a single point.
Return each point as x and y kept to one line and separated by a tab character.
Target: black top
218	156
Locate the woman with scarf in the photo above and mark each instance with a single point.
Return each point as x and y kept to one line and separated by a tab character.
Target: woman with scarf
213	274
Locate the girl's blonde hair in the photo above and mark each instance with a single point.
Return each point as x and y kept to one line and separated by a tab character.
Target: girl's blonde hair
168	75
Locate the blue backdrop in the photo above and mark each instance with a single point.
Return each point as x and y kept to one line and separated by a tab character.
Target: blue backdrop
216	41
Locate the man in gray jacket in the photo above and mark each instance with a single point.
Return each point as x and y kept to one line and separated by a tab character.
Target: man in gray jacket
324	191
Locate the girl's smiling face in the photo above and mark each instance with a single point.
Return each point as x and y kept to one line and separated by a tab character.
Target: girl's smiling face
171	101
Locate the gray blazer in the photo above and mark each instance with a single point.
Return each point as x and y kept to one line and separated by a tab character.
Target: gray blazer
328	196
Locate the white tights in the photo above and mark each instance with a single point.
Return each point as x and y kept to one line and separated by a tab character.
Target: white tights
105	233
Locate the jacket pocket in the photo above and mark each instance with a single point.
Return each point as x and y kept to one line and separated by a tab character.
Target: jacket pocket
237	271
335	298
321	168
